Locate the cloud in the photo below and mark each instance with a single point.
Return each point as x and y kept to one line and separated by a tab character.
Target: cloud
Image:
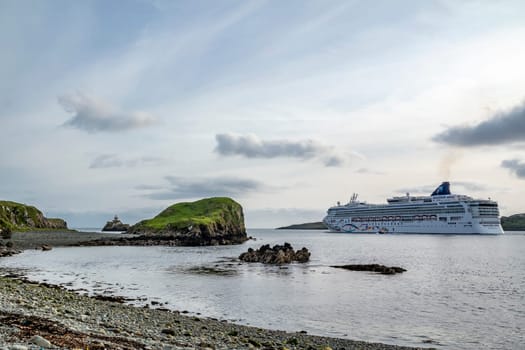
250	146
503	128
205	187
467	186
470	186
367	171
427	190
277	217
92	115
114	161
515	166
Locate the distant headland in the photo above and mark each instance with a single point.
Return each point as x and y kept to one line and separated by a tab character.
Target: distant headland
305	226
514	222
209	221
21	217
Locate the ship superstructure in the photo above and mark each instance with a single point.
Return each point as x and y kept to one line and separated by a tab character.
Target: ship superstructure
441	212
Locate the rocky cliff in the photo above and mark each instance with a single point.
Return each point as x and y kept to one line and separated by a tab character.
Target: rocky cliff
20	217
209	221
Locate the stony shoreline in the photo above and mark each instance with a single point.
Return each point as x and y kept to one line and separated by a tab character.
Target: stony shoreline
72	321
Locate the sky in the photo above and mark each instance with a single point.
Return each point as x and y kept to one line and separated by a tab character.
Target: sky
126	107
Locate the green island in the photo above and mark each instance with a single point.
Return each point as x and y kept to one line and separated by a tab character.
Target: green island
21	217
209	221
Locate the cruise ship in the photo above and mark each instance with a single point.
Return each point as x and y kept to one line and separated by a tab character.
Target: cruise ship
442	212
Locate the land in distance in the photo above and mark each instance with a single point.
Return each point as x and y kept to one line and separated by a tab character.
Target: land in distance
305	226
514	222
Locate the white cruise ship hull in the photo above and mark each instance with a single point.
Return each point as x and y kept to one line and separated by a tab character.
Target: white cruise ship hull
416	228
439	213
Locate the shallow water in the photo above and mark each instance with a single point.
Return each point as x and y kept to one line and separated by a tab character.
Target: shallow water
460	292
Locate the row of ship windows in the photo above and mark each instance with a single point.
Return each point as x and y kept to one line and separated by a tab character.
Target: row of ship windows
408	212
400	218
394	223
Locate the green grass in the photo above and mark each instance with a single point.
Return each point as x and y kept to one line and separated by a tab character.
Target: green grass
206	211
19	213
22	217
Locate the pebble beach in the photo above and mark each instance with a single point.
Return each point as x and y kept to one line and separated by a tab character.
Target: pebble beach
36	315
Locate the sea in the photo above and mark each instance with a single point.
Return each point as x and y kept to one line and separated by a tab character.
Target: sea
459	291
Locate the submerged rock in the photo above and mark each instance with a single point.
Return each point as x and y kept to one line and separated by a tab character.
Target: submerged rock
382	269
279	254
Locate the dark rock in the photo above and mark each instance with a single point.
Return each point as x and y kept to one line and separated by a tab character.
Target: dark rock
8	250
279	254
168	331
46	247
5	233
382	269
115	225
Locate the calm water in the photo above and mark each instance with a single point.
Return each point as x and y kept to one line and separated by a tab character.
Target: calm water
460	292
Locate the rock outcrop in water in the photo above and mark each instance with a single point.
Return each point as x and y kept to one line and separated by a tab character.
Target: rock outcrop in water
20	217
382	269
115	225
209	221
279	254
6	249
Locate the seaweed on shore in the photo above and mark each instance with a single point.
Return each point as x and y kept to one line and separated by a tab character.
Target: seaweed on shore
60	335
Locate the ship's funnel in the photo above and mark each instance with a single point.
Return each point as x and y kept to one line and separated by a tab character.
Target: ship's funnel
442	189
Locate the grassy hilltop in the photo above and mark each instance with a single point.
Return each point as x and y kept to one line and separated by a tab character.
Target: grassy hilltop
217	220
21	217
217	210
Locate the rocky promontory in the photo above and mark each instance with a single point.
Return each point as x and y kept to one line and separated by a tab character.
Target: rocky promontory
21	217
115	225
209	221
278	254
